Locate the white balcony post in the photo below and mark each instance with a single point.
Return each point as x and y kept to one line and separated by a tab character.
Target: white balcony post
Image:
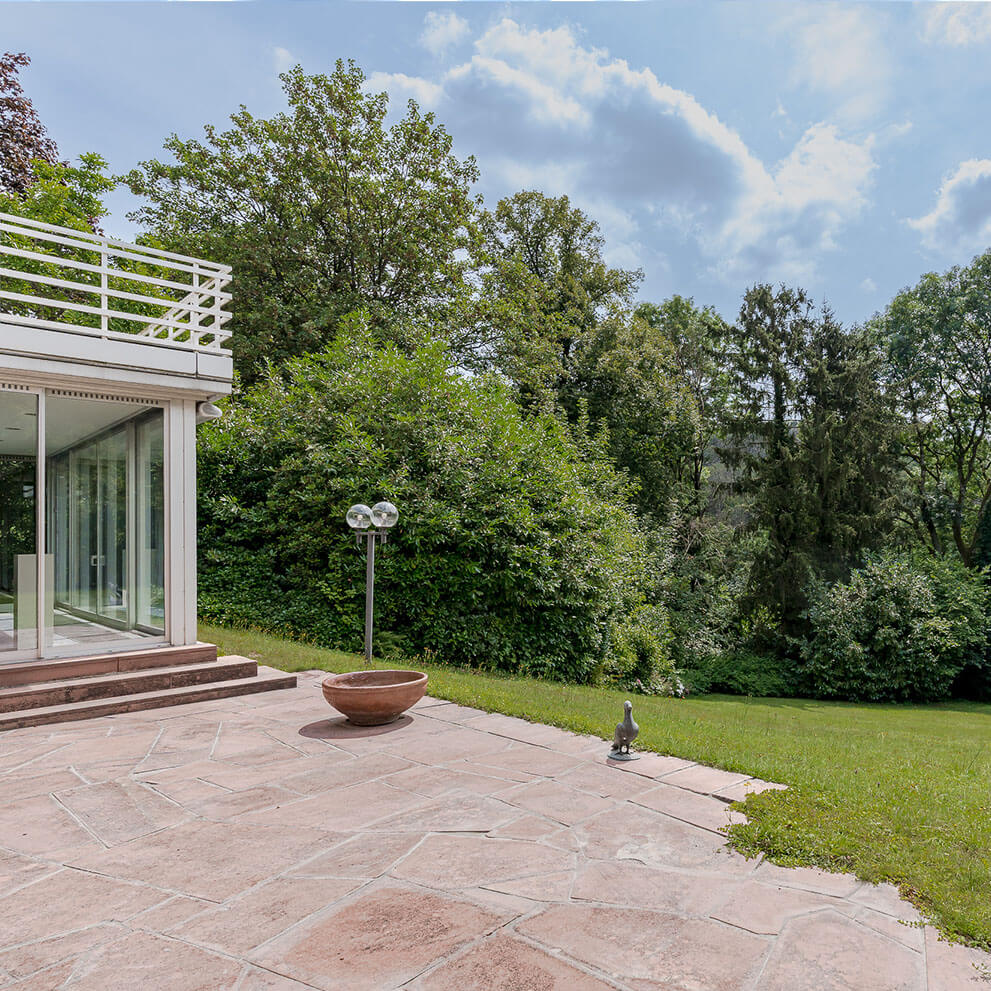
217	315
194	317
181	521
104	305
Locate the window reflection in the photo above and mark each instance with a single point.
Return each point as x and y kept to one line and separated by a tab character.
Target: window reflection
106	522
18	525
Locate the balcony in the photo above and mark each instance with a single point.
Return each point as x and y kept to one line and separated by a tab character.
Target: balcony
110	309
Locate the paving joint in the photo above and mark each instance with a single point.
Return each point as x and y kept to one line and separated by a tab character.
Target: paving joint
182	827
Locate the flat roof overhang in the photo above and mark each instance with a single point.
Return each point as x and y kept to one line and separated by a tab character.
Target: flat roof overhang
61	358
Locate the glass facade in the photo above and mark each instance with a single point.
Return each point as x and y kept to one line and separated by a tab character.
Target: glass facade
103	526
18	524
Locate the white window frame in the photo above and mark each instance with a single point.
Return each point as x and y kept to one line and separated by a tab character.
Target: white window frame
179	480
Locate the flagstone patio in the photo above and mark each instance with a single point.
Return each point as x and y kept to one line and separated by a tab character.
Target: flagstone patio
260	843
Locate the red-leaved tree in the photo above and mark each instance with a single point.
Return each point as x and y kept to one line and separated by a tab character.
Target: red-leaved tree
23	137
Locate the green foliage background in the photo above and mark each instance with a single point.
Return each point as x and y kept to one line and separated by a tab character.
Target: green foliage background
902	629
594	487
515	550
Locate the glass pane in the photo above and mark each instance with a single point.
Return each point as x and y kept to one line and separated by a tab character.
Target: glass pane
18	525
149	584
112	536
105	503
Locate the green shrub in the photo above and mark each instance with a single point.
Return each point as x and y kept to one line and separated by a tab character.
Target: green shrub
743	672
900	630
640	659
515	549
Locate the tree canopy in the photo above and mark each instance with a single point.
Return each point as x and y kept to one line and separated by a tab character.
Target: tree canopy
811	436
321	211
543	266
23	138
592	485
938	336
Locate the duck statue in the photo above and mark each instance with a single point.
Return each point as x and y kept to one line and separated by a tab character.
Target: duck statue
626	733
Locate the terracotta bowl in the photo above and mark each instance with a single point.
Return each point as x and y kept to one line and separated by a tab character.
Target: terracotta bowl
371	698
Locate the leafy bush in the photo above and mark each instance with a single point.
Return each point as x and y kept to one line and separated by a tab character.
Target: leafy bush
515	550
716	647
900	630
743	672
640	659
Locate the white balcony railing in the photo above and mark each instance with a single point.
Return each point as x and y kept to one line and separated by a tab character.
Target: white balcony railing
58	278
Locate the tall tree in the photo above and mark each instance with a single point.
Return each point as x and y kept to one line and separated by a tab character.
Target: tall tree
68	196
847	446
762	440
562	324
698	337
544	270
322	211
811	434
23	138
698	527
63	194
939	344
627	379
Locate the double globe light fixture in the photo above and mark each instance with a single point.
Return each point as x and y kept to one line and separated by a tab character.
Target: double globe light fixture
383	515
371	525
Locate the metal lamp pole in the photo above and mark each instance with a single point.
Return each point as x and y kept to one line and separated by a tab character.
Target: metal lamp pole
360	518
369	591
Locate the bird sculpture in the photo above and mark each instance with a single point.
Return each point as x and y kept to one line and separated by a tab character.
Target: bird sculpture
626	733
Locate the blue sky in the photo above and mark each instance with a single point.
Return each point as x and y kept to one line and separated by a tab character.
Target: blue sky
842	147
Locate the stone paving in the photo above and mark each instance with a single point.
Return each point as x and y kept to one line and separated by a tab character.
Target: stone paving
261	843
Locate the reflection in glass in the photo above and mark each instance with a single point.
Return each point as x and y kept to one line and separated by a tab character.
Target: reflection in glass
18	560
106	522
149	538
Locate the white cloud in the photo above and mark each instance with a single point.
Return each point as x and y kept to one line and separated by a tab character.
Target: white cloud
796	211
282	58
894	131
547	104
957	23
401	88
840	52
606	132
824	168
868	285
542	111
441	31
620	232
961	218
551	178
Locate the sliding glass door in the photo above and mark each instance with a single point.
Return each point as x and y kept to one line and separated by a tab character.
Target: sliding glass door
149	524
106	523
87	531
85	478
18	525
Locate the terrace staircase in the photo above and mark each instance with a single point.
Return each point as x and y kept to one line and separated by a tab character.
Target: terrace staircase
37	692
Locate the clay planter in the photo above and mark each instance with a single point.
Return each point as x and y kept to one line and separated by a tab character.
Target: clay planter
371	698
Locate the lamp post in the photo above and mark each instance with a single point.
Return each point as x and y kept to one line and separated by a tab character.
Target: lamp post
371	525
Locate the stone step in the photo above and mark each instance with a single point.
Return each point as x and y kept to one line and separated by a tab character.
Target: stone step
33	672
52	693
267	680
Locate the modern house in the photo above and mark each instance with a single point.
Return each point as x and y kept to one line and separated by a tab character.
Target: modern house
110	354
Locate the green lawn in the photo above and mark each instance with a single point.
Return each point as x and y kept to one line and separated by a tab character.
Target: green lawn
891	793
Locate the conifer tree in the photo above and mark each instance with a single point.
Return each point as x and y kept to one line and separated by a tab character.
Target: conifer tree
762	440
811	434
846	447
